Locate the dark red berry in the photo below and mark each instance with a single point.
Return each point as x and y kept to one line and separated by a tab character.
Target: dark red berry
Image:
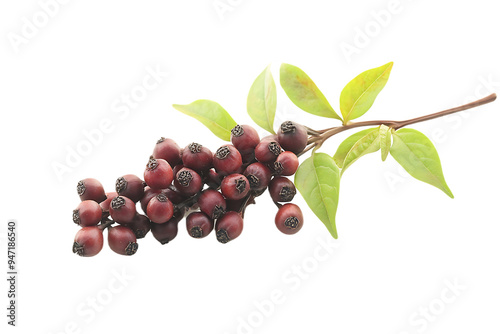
292	137
212	203
289	219
105	204
286	164
282	189
229	226
174	196
122	240
122	210
88	241
160	209
197	157
199	225
158	174
214	179
188	182
165	233
177	168
267	150
90	189
227	160
140	226
235	186
244	138
87	213
148	194
258	175
130	186
168	150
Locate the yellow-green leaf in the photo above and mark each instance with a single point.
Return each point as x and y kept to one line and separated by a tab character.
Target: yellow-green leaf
385	141
418	156
261	101
360	93
304	93
369	143
346	146
212	115
318	181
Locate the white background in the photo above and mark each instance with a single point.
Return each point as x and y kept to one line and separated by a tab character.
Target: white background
401	244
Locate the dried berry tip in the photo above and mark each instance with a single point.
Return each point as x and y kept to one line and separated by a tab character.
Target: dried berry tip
222	152
152	163
131	248
77	248
139	234
253	180
287	127
222	236
121	184
184	178
240	185
76	217
196	232
274	148
278	167
160	140
162	197
80	188
292	222
237	131
195	147
117	203
287	194
218	212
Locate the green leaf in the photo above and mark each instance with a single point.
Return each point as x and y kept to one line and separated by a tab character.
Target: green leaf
261	101
369	143
385	141
212	115
347	144
318	181
304	93
418	156
360	93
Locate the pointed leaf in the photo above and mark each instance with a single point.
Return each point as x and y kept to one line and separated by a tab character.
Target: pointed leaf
347	144
360	93
261	101
385	141
212	115
418	156
304	93
318	181
367	144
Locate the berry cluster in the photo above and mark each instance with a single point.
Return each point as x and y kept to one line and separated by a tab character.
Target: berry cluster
211	190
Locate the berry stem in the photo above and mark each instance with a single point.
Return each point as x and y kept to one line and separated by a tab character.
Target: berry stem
106	224
323	135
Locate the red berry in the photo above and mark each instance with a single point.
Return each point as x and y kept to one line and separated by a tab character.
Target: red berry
168	150
267	150
188	182
90	189
148	194
244	138
140	226
88	241
122	210
105	204
258	175
158	174
227	160
214	179
212	203
286	164
199	225
160	209
235	186
87	213
165	233
289	219
197	157
130	186
292	137
229	226
282	189
122	240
